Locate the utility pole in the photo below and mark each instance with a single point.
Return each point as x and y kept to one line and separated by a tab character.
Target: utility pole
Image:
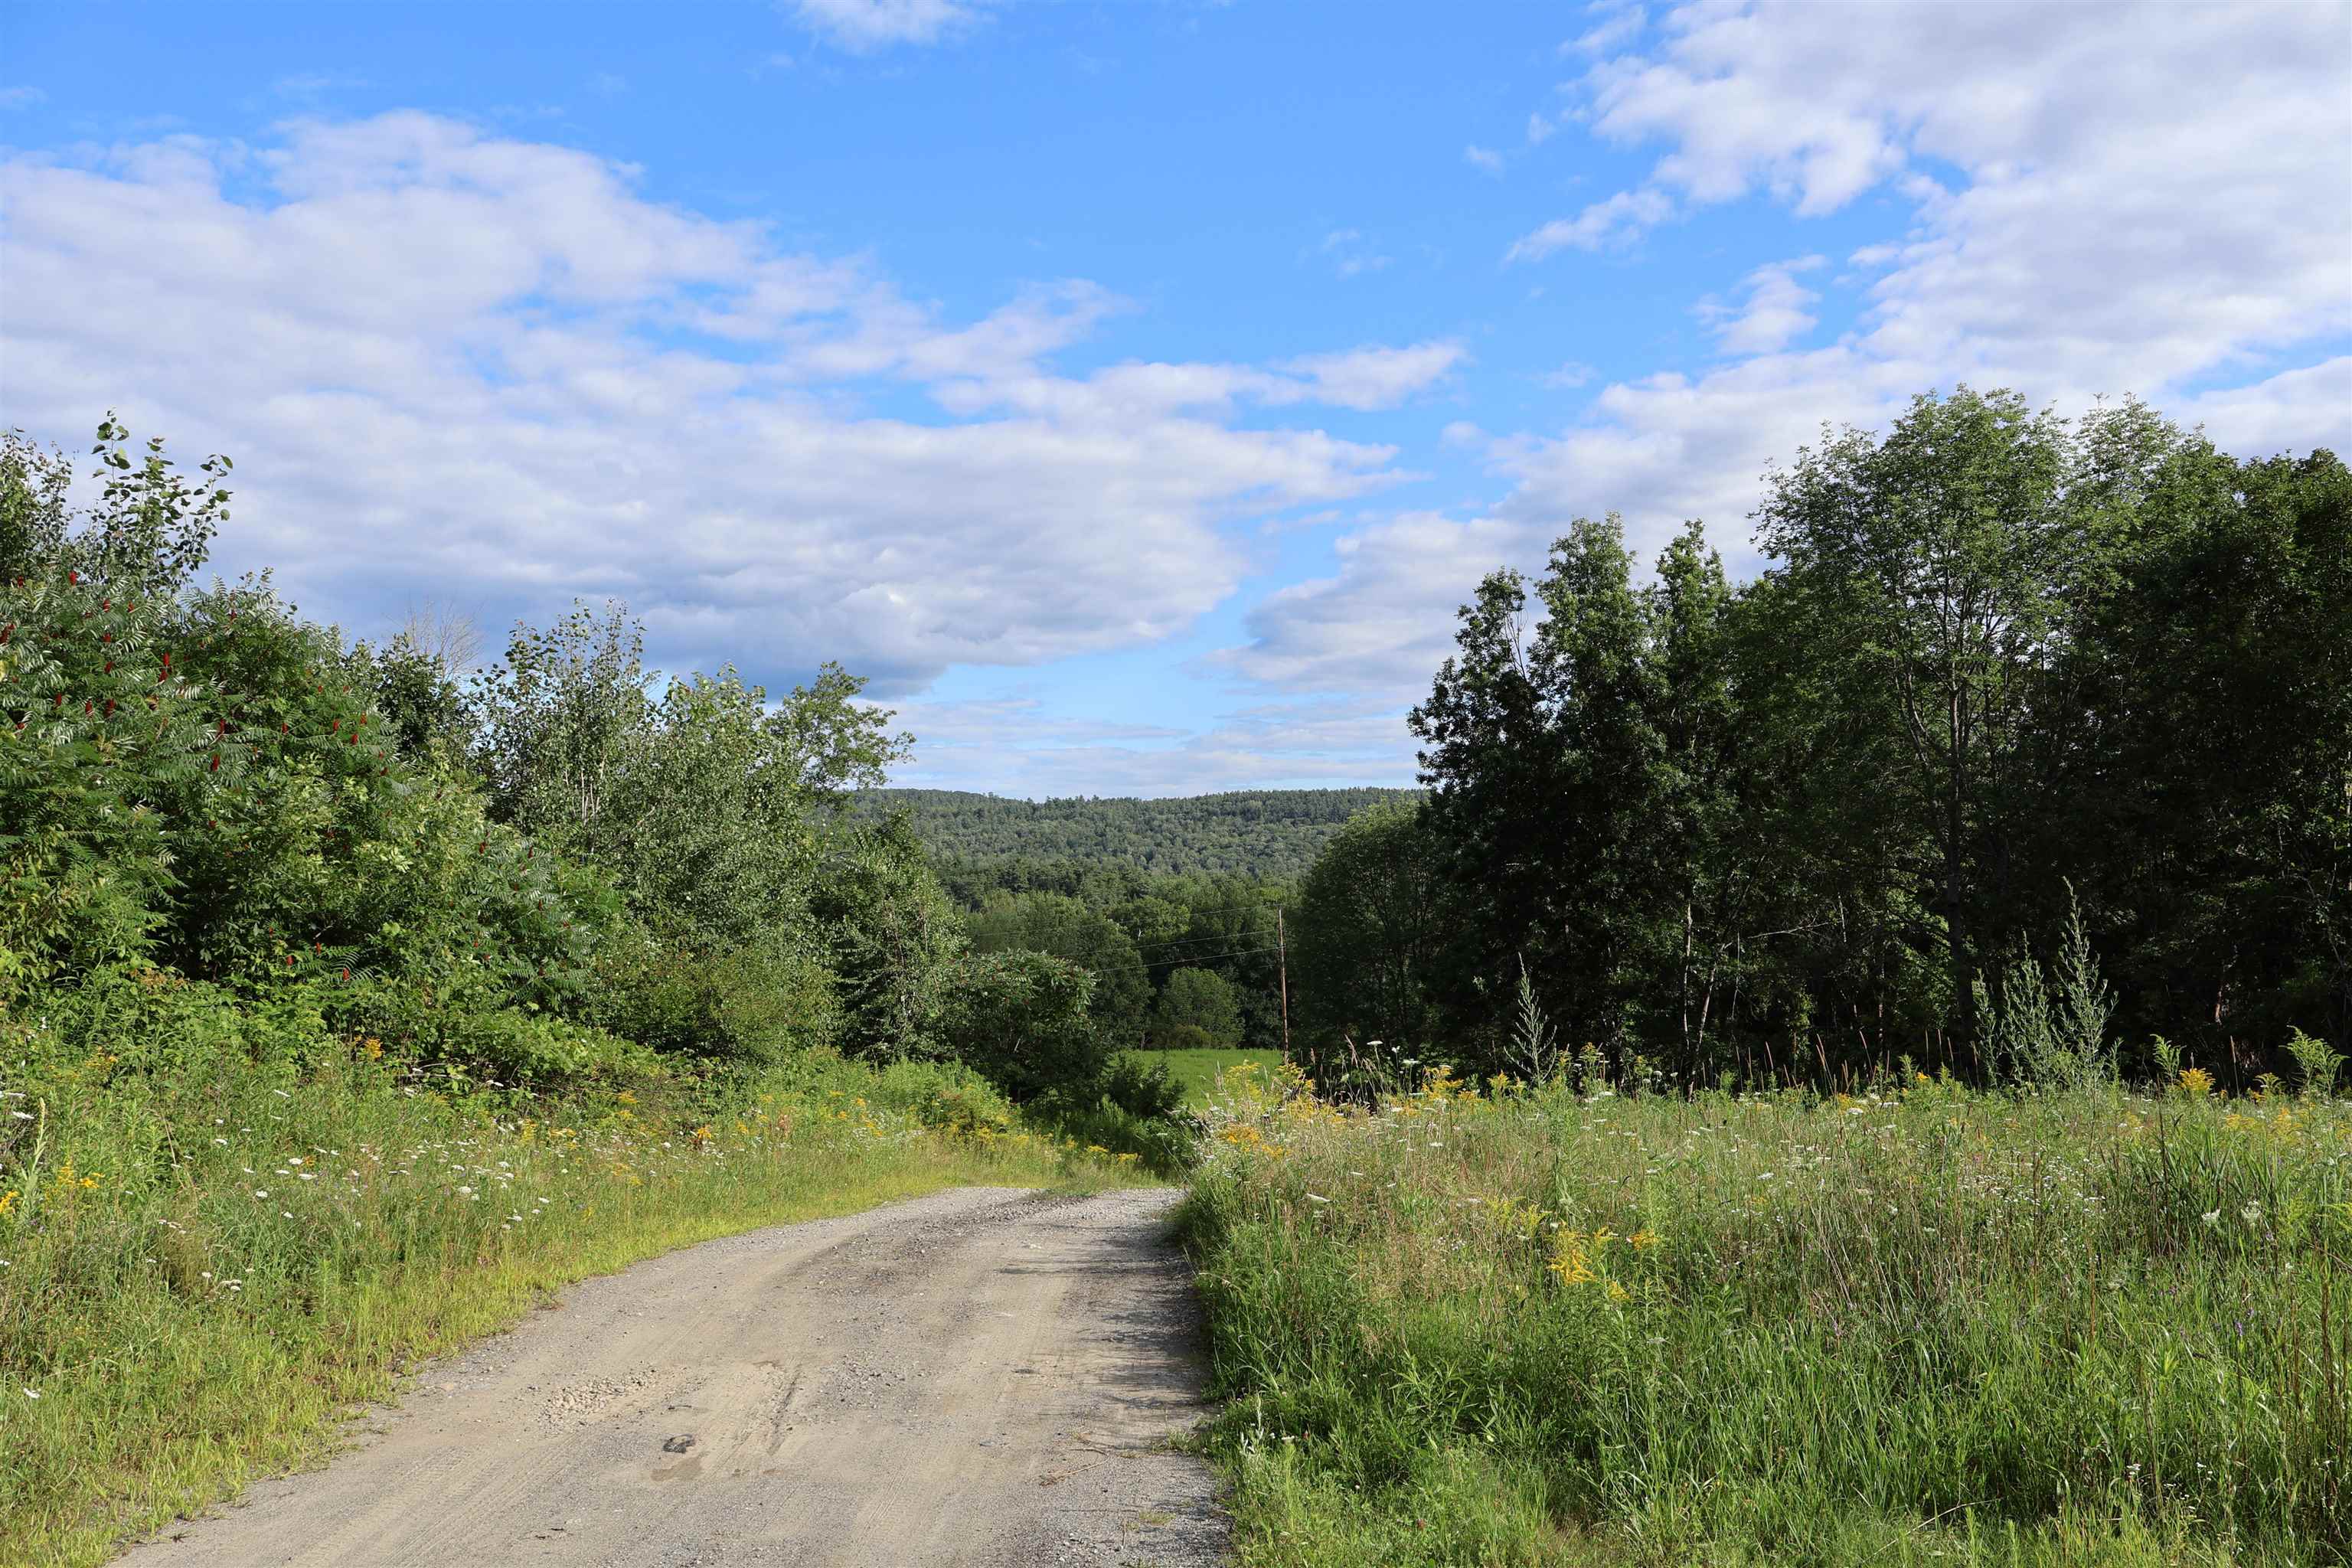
1282	959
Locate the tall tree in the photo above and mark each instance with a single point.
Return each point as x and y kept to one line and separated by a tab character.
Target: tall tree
1543	757
1938	553
1697	849
1374	912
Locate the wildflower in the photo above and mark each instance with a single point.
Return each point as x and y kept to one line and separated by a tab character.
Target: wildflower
1643	1240
2196	1080
2211	1218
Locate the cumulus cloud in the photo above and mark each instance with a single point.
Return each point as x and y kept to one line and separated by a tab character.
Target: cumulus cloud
2092	200
1483	158
458	365
2294	411
1381	623
1774	312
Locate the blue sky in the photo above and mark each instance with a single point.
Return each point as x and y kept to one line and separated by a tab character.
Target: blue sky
1131	391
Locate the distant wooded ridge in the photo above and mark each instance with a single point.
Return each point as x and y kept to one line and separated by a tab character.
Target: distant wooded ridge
1273	834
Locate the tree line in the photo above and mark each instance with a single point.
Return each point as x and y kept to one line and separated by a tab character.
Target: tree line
2029	748
1271	834
221	820
1187	961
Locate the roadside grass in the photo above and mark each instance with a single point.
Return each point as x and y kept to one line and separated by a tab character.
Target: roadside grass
203	1274
1196	1072
1924	1326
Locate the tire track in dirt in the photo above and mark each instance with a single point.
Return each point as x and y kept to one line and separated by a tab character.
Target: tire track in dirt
984	1377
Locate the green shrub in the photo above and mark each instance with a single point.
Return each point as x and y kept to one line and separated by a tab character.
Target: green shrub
1184	1038
948	1096
753	1006
1143	1088
1021	1018
528	1049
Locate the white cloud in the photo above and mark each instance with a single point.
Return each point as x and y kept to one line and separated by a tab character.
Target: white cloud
1013	746
1484	158
1371	377
1351	254
1540	130
1616	221
1381	623
864	25
463	366
2088	199
2294	411
21	96
1376	377
1774	312
1620	25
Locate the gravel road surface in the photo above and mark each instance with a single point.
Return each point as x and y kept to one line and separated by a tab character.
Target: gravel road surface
983	1376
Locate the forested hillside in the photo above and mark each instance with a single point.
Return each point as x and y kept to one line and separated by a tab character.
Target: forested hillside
1272	833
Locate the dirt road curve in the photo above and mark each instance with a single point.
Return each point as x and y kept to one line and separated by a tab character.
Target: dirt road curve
980	1377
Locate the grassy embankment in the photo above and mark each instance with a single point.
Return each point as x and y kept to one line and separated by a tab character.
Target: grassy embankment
1927	1326
200	1276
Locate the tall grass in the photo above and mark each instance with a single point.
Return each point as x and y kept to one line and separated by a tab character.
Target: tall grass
201	1272
1924	1325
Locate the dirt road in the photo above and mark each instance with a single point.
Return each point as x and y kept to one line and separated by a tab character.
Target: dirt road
980	1377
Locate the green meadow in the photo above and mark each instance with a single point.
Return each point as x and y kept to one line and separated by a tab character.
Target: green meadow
1924	1324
